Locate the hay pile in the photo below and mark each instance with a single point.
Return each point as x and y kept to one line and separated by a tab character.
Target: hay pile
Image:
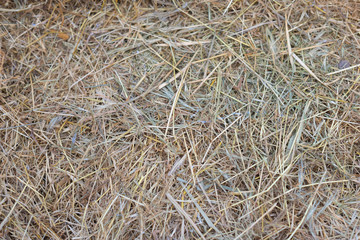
179	119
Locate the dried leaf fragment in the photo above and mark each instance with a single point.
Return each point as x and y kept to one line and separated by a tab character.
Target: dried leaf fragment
343	64
63	36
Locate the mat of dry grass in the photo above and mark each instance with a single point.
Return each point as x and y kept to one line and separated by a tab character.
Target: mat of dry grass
234	119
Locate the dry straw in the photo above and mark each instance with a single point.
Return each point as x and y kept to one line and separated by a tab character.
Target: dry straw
179	119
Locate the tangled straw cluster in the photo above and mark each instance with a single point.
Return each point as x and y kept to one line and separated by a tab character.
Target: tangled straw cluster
179	120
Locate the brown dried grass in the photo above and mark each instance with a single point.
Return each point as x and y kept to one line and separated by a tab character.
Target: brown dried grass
179	120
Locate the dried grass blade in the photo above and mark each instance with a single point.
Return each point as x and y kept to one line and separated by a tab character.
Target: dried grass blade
183	213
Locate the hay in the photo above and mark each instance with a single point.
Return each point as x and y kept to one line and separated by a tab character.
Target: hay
179	120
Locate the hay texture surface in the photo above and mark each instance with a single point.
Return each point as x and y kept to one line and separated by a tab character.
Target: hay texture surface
179	119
